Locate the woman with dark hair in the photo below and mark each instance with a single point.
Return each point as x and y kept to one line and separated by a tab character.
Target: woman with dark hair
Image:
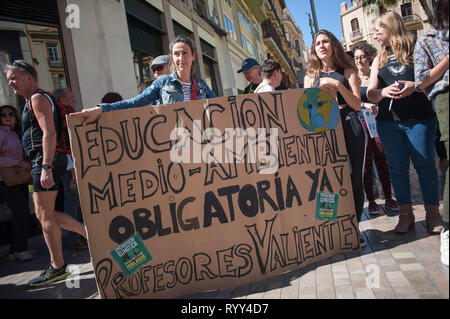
182	85
330	67
431	75
271	75
111	97
364	54
406	122
11	154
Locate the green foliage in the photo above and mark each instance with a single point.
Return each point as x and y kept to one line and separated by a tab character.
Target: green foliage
382	4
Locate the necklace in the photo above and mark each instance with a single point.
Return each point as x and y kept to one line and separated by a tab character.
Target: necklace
364	76
328	71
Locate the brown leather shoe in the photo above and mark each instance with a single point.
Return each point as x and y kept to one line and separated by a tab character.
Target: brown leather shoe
433	219
405	223
406	219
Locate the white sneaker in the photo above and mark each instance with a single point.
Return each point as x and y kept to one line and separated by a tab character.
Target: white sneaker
444	247
22	256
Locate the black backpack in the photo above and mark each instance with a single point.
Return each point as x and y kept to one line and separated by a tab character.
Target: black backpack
60	112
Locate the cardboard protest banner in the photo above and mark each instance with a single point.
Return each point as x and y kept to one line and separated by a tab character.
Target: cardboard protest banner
213	194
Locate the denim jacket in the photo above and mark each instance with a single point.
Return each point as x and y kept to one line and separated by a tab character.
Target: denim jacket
164	90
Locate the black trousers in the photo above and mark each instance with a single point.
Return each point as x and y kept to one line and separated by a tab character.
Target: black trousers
17	199
355	140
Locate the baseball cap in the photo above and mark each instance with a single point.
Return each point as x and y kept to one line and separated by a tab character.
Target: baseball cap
247	64
162	59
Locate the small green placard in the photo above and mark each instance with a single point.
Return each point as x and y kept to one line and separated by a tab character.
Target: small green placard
131	254
326	206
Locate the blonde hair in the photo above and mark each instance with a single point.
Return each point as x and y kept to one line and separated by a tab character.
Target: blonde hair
400	40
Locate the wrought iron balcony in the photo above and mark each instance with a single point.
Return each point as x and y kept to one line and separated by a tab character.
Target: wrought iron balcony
409	18
356	34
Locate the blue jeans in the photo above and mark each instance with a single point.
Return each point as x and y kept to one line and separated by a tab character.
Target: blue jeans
406	141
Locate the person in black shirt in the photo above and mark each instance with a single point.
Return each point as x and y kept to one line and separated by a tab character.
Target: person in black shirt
331	68
406	122
40	140
364	54
250	68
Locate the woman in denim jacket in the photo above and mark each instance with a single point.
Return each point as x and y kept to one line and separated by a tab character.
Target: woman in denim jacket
179	86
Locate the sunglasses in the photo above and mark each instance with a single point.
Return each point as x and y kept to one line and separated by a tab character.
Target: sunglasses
10	114
23	67
158	68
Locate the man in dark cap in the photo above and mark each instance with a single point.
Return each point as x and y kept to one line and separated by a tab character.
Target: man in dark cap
160	66
250	68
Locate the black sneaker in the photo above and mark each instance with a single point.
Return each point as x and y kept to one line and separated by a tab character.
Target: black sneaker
48	276
362	241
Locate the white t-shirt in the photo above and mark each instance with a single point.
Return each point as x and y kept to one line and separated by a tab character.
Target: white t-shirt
186	90
264	87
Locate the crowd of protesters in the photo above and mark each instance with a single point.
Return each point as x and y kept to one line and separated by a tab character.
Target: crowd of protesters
404	85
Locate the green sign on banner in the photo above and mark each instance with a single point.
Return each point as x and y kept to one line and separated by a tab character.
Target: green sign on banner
131	255
326	206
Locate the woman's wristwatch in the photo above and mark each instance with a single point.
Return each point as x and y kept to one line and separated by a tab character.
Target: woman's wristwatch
362	106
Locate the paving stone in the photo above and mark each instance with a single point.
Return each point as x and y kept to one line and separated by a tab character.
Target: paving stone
364	293
290	292
392	266
410	267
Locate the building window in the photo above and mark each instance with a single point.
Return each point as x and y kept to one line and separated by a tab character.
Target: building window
142	70
144	28
260	57
229	26
53	53
355	28
248	45
200	7
244	20
407	12
59	81
256	28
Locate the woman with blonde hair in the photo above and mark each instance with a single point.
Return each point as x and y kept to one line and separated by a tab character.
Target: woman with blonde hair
406	122
364	54
330	67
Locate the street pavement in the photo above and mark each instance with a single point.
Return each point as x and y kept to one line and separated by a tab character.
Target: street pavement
390	267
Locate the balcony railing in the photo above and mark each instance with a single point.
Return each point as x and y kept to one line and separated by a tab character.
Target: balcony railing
409	18
355	34
54	62
288	18
200	8
269	32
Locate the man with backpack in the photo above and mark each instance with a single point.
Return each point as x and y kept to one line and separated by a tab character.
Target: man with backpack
43	142
67	199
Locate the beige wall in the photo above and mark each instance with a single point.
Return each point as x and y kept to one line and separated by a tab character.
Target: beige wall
367	16
102	52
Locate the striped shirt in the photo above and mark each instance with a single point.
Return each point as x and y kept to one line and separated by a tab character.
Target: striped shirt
186	90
